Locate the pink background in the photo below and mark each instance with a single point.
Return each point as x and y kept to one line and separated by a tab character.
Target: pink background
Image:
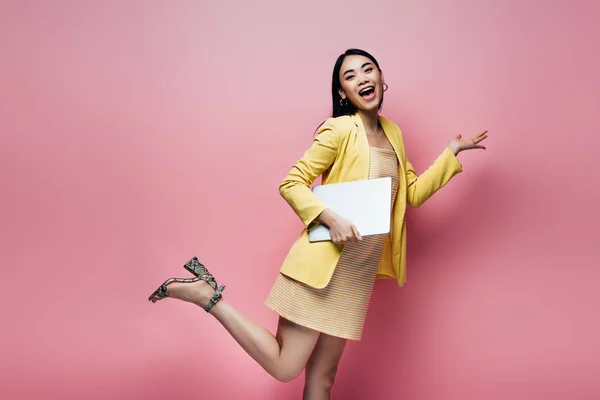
138	134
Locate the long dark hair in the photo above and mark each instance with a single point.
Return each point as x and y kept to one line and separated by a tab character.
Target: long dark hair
349	108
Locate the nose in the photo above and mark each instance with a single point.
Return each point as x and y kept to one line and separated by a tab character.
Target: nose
363	80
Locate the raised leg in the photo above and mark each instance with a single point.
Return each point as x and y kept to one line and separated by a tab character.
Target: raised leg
284	356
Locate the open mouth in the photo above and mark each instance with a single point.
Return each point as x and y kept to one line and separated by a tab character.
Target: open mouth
367	91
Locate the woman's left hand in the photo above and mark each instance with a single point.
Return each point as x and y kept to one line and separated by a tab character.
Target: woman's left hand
458	144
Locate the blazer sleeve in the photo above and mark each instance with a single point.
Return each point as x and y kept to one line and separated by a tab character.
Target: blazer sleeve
422	187
295	188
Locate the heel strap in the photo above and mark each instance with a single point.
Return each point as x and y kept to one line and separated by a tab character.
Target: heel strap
214	299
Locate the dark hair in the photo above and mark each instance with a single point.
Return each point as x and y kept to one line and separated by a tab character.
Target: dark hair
336	84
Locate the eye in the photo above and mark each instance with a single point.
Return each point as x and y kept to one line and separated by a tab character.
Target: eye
348	77
369	70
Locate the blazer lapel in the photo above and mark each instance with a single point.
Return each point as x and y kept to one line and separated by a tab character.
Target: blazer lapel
363	146
392	133
393	136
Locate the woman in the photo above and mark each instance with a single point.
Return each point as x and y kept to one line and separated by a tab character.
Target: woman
323	290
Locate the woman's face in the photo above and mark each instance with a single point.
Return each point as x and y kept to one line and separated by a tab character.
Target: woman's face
362	82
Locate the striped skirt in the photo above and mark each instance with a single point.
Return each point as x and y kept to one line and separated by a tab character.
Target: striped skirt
340	308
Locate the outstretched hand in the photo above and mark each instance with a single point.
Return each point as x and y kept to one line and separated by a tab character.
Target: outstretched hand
458	144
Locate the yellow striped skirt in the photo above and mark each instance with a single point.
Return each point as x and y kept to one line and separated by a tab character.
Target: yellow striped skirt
340	308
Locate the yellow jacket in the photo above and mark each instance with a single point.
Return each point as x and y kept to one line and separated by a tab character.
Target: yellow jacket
340	152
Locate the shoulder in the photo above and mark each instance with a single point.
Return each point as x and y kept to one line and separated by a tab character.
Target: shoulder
340	124
335	130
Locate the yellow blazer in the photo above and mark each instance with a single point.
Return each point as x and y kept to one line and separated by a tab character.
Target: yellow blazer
340	152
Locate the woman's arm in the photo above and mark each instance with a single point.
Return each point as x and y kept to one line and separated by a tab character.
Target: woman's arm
422	187
295	188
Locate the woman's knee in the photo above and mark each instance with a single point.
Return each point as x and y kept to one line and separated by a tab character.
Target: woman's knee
321	376
286	375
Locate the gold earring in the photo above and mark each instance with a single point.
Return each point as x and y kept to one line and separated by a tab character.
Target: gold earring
385	87
343	102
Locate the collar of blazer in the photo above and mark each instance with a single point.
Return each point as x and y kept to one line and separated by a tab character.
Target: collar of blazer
392	132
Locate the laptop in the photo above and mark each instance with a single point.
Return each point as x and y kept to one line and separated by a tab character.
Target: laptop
366	203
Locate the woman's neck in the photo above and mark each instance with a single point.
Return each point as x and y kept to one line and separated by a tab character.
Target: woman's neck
370	120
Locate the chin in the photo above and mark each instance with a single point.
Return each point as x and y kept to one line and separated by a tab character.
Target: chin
368	107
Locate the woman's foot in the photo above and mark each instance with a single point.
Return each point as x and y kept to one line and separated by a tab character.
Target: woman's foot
202	290
198	293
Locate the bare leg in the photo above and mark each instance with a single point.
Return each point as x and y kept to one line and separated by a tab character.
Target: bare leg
283	356
322	367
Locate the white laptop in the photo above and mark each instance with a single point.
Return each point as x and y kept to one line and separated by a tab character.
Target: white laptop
366	203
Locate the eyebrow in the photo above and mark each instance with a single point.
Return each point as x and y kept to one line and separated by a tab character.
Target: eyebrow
362	66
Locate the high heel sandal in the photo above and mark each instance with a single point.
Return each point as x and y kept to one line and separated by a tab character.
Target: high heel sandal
201	273
196	267
199	270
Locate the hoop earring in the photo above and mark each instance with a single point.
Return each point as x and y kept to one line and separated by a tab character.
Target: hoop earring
343	102
385	87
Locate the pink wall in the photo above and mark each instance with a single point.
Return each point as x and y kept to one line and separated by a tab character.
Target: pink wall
138	134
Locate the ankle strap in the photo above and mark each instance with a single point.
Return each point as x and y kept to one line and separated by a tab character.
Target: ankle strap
214	299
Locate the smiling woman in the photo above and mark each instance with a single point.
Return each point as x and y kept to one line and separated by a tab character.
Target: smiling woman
323	290
347	66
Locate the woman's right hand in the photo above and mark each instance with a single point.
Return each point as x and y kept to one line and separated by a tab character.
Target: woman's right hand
341	230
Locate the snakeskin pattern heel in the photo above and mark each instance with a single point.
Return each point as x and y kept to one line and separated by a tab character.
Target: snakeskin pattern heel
196	267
